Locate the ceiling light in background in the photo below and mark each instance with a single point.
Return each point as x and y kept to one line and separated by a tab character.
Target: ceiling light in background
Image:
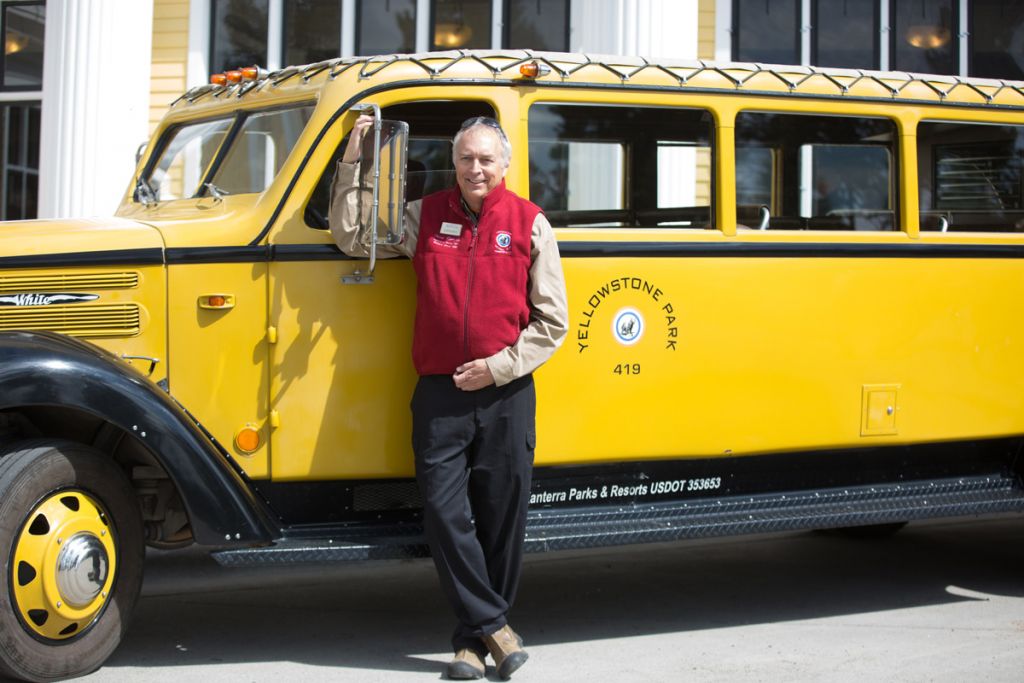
928	36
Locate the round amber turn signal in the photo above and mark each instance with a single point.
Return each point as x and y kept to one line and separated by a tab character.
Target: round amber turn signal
247	439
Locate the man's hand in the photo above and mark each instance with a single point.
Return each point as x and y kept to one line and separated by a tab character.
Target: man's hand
355	139
473	375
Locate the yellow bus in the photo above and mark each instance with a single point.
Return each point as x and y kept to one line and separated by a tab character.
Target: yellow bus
795	303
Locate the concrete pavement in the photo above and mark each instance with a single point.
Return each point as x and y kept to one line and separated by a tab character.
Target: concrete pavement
936	602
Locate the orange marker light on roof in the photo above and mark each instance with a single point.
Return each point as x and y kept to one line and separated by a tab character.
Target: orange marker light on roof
250	73
534	69
219	79
234	76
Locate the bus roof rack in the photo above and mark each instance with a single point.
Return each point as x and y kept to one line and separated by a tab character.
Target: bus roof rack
597	69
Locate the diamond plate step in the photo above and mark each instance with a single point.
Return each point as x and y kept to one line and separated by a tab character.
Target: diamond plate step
668	521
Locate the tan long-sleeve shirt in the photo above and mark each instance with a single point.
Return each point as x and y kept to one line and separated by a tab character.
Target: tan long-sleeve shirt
549	317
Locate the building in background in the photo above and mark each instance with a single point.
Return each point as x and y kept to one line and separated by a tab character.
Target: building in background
983	38
21	81
83	82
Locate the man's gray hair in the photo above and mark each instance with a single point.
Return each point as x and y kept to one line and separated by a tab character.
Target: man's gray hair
486	122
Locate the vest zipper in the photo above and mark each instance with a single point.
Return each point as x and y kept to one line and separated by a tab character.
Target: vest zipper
469	287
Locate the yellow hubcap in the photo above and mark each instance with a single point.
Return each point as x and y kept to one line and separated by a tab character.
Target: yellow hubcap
64	565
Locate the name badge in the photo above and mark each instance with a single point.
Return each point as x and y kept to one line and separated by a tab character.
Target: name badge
451	229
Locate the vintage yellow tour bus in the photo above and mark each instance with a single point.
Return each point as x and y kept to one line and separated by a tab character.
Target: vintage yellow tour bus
796	301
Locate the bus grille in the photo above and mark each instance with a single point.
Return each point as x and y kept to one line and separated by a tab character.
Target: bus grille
68	282
101	320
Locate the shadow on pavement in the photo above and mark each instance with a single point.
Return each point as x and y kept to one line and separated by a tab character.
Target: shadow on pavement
390	615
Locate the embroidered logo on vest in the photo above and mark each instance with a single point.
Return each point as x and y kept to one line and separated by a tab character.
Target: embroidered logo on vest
502	242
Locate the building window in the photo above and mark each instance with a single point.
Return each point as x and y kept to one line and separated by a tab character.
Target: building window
924	36
312	31
997	39
239	34
461	24
21	68
766	31
309	31
23	29
845	34
385	26
19	168
537	25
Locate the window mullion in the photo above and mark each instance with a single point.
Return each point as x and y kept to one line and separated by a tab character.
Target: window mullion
805	32
885	31
497	27
348	28
275	35
962	37
5	111
423	25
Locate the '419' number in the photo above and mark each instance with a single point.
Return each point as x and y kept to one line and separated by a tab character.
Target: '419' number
627	369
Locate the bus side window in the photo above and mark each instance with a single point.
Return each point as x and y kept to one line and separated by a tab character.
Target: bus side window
615	166
806	172
429	168
969	177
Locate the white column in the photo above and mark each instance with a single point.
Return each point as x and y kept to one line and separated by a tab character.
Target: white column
648	28
96	73
594	26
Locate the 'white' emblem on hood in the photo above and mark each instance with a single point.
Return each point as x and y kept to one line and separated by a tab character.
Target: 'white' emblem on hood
45	299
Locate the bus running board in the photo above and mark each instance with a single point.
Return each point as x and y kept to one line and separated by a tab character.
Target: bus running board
591	527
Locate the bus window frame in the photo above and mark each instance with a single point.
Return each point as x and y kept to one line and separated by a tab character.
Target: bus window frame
238	118
632	99
897	161
967	117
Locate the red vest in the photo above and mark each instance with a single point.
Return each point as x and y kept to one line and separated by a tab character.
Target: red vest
472	291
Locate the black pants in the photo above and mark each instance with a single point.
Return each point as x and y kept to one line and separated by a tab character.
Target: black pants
474	458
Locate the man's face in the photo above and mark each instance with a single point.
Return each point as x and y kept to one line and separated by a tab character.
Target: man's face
478	164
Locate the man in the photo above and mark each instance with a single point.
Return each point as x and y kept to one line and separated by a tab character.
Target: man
491	308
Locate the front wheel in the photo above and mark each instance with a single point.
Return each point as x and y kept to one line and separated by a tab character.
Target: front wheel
72	552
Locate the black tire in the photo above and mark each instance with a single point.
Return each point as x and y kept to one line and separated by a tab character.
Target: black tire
30	476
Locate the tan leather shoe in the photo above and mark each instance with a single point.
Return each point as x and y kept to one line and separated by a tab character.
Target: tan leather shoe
507	650
519	638
466	666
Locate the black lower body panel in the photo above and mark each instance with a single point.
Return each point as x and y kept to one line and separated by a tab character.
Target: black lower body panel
606	525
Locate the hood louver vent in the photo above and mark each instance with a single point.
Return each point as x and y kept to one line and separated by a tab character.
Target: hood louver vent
69	282
99	320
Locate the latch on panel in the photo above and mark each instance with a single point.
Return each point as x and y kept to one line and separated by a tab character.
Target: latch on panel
878	409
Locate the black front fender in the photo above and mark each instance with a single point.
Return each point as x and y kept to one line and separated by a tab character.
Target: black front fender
46	369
